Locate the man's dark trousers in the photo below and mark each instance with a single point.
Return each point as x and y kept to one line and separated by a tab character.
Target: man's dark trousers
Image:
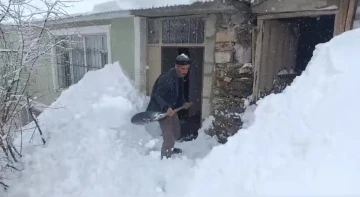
170	127
167	93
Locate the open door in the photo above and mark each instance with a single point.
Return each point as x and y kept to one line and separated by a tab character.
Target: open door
276	48
190	119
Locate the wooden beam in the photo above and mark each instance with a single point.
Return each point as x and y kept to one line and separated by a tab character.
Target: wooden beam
350	15
257	58
298	14
340	20
282	6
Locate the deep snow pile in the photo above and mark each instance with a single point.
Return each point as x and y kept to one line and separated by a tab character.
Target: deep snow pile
93	149
303	142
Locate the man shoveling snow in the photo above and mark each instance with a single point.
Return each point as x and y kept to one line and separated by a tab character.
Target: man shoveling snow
301	142
167	95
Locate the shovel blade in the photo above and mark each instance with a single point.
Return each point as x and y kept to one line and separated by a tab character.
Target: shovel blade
146	117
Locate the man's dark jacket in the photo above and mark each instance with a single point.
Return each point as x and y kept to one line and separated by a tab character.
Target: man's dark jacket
167	92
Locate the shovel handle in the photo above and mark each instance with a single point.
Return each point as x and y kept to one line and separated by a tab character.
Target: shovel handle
180	108
176	110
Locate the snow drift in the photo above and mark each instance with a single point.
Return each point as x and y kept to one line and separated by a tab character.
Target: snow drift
93	149
303	142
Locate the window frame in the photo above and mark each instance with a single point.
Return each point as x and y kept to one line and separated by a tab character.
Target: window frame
177	33
158	24
84	31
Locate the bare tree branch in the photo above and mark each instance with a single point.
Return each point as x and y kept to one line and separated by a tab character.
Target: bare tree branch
25	38
5	11
36	122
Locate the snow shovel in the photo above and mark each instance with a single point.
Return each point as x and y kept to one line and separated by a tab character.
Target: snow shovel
150	116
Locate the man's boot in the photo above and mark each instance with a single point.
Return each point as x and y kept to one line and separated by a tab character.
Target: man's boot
176	151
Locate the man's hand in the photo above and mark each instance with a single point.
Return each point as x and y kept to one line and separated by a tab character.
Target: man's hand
170	112
187	105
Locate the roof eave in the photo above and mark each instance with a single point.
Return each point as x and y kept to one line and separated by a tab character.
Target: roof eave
92	17
182	12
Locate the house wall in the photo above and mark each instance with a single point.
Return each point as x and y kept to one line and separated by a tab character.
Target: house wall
154	63
122	36
122	41
41	83
209	64
122	44
231	78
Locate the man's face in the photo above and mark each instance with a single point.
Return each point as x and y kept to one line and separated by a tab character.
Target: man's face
182	70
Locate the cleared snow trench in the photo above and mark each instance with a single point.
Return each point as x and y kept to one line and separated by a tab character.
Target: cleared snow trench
302	142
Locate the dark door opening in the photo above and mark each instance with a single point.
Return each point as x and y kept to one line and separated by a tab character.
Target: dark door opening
313	30
190	119
288	45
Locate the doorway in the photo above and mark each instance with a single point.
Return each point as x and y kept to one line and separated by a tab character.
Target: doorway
313	30
287	44
190	119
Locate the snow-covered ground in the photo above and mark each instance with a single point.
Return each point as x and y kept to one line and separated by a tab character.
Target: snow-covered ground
93	149
303	142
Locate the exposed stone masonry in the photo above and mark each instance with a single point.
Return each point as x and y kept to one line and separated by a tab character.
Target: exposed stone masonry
233	78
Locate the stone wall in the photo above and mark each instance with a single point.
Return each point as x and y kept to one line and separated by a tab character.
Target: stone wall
233	73
209	64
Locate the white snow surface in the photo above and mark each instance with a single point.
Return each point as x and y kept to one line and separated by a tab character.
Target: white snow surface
93	149
302	142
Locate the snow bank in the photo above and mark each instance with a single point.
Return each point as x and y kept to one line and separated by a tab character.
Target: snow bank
303	142
93	149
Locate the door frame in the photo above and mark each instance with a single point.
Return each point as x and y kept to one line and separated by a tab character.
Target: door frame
202	68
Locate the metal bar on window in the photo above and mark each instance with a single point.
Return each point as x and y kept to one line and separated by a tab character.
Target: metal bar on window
160	32
71	58
85	55
197	30
189	28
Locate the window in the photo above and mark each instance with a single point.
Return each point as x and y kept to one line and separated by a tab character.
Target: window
78	54
153	31
8	52
183	30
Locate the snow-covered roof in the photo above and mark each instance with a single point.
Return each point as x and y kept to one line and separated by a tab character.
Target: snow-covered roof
197	7
174	4
118	13
90	16
201	6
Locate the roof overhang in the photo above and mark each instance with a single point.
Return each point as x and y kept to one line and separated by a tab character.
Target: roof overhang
197	8
276	6
92	17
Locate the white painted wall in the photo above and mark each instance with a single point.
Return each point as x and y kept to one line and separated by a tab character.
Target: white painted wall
140	53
